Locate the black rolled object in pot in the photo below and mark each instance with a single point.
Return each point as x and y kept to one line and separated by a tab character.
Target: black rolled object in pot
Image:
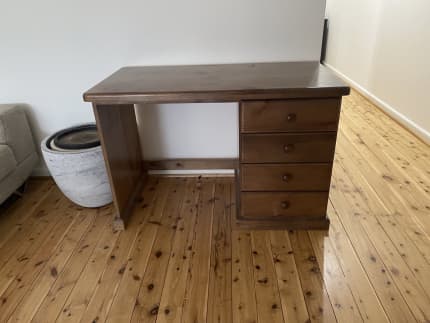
75	138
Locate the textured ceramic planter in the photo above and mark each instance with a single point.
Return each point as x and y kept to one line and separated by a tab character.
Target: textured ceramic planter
80	174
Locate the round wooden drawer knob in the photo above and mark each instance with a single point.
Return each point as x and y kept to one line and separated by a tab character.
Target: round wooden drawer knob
286	177
285	204
288	148
291	117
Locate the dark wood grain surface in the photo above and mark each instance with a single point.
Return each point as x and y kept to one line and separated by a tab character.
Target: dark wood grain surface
279	205
285	177
191	163
296	115
288	148
117	128
217	83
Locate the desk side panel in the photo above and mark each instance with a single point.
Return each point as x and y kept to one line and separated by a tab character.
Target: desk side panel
117	128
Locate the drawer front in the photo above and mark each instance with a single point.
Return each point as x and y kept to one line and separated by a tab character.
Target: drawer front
290	115
280	205
285	177
274	148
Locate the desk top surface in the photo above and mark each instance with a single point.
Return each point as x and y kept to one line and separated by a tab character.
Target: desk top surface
216	83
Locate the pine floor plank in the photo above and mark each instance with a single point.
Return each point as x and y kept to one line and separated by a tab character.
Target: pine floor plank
54	301
219	298
344	304
87	282
397	153
174	288
28	241
269	307
290	288
13	217
390	212
402	275
40	287
125	298
27	237
400	212
121	264
378	272
148	299
383	181
398	230
37	261
317	300
392	172
243	291
362	289
390	130
196	295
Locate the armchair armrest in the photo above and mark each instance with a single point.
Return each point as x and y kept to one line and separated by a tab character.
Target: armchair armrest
15	131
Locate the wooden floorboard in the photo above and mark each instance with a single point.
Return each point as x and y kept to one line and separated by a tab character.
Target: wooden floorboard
180	261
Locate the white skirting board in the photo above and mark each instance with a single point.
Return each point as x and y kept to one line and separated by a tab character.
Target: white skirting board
402	119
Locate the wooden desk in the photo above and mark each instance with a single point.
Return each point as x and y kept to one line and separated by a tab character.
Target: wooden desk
289	114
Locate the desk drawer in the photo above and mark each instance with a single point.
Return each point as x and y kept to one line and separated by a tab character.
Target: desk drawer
283	205
285	177
278	148
290	115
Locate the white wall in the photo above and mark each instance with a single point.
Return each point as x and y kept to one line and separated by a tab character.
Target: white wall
383	47
52	51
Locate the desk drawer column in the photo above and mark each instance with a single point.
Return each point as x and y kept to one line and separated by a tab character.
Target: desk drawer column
286	156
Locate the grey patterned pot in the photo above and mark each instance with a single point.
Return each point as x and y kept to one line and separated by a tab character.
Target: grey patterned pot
80	174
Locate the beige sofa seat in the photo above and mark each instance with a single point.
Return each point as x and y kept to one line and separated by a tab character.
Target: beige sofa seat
18	154
7	161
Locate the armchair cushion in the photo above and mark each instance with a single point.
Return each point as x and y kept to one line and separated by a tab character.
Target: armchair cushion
15	131
7	161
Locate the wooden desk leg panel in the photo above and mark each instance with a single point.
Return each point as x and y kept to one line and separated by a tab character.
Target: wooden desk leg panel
119	138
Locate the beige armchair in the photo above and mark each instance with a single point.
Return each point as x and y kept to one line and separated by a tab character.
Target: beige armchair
18	154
